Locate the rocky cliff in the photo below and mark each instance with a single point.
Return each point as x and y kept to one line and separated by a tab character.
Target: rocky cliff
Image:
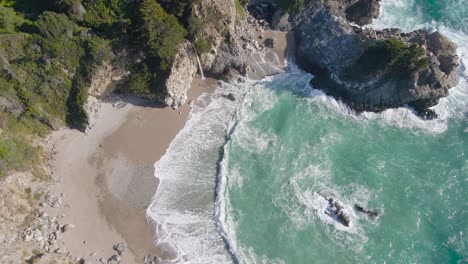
234	49
181	74
370	69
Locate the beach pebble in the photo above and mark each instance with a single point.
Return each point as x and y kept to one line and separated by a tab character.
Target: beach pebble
65	228
114	259
60	250
120	248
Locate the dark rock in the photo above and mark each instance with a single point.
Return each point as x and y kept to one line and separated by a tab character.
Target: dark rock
262	11
231	97
362	12
229	57
230	75
328	46
270	42
336	211
53	123
114	259
422	108
370	212
120	248
280	20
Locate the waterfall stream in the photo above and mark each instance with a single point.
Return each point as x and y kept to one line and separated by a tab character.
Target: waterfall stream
199	63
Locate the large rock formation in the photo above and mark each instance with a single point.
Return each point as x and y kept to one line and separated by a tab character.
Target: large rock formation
183	69
219	19
344	58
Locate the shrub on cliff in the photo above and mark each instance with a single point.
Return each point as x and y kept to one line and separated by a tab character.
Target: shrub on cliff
140	80
95	51
391	56
178	8
9	20
162	32
292	6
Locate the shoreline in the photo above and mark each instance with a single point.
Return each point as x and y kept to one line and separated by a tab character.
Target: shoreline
106	176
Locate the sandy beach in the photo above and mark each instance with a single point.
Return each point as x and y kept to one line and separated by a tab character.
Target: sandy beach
106	176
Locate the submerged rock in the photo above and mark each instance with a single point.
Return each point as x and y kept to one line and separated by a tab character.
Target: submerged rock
369	69
370	212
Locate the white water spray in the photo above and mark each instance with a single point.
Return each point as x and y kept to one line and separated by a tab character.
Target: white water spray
199	63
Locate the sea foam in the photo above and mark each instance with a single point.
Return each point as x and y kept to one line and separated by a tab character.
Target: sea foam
181	213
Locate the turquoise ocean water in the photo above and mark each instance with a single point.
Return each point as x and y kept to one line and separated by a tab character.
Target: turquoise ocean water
287	143
293	143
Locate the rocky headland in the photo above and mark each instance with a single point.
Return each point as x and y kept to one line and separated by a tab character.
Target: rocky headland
373	70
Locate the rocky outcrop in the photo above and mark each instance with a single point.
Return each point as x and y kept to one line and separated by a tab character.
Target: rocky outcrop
269	11
372	213
219	19
11	106
109	75
363	11
183	69
234	48
329	46
336	211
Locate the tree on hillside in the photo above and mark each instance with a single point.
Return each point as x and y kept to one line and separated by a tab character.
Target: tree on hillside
162	32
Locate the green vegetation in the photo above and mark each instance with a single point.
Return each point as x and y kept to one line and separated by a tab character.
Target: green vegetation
195	31
161	31
140	80
292	6
181	8
49	52
240	11
202	46
390	56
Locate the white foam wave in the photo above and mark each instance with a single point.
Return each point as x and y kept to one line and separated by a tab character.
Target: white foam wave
182	209
227	224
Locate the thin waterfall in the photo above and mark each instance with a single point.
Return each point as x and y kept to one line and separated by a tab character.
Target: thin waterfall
199	63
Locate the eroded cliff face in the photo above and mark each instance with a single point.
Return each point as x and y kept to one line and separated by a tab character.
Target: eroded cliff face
183	69
329	45
219	18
